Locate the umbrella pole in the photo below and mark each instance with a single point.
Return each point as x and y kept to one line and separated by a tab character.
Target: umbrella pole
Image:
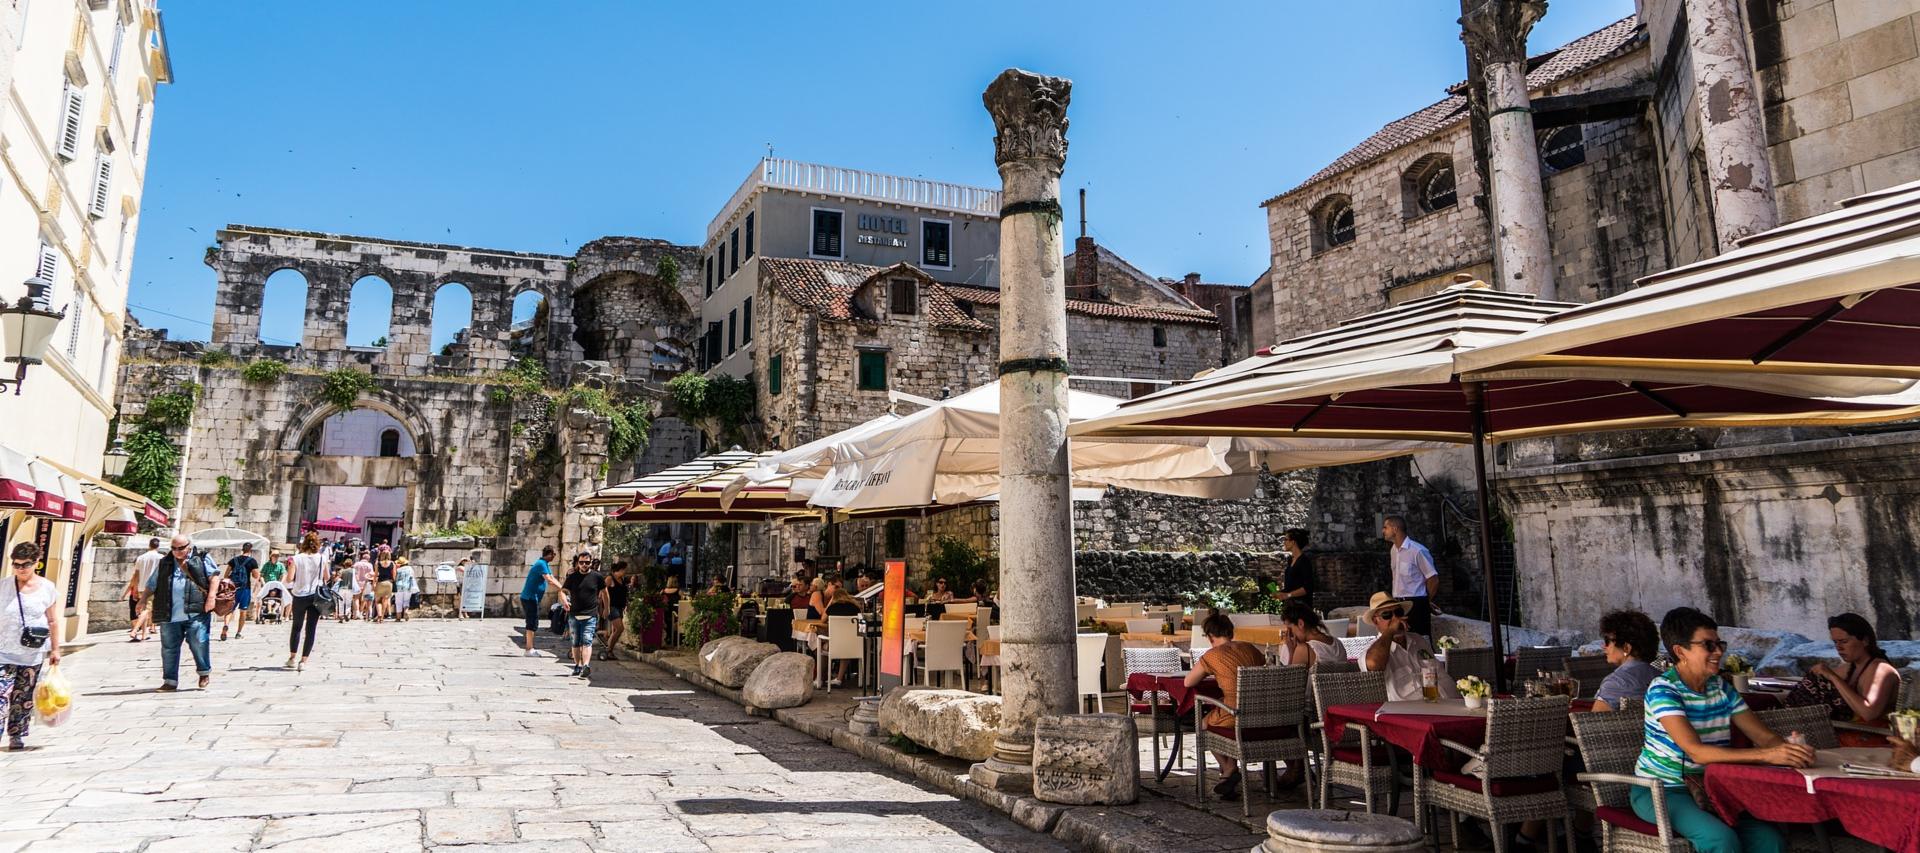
1477	405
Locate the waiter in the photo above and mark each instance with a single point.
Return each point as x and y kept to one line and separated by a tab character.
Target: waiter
1415	580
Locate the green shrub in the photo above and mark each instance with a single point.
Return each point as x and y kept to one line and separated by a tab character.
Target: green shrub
629	423
223	498
265	371
173	408
720	405
959	563
344	386
525	377
215	358
153	463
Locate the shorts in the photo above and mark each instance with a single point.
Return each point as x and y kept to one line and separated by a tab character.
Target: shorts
383	590
583	629
530	607
133	607
243	598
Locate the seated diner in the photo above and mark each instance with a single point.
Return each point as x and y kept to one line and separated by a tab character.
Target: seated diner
1307	642
1223	660
1862	689
1400	653
1631	644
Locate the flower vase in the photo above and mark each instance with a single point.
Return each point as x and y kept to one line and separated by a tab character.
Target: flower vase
1739	682
1474	701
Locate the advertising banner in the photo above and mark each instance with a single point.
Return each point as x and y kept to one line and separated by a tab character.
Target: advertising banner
893	625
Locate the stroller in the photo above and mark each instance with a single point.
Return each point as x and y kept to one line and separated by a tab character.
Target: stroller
273	603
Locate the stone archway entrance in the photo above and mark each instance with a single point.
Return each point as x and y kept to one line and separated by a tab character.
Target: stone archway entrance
363	464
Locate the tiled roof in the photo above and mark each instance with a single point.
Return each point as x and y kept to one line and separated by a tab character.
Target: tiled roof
1116	310
828	288
1577	56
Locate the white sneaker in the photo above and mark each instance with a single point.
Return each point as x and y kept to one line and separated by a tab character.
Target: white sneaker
533	653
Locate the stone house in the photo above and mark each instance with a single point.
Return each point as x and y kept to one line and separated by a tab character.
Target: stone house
1774	528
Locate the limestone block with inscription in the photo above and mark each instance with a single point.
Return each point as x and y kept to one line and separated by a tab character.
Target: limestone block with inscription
1086	759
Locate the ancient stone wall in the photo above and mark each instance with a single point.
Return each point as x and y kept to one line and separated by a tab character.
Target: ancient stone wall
624	315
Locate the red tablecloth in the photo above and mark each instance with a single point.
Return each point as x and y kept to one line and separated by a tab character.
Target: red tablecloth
1419	734
1873	810
1174	685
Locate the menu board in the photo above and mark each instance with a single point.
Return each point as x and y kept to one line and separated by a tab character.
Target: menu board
473	589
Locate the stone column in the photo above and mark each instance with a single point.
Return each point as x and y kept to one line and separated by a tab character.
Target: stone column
1496	33
1732	132
1036	535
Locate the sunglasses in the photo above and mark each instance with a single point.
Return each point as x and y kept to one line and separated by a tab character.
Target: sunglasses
1709	645
23	564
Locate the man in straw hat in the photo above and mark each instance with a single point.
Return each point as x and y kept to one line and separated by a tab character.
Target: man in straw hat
1399	652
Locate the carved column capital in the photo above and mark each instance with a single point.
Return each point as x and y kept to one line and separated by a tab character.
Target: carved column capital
1030	116
1496	30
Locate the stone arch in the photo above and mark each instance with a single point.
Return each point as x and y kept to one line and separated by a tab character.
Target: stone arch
1429	185
529	333
293	286
309	417
452	310
1333	222
368	321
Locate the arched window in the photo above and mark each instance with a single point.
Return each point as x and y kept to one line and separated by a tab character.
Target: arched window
370	313
1429	185
1563	148
390	442
529	314
1333	222
452	315
283	309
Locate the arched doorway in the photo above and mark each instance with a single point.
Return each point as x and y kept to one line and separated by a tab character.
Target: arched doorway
360	465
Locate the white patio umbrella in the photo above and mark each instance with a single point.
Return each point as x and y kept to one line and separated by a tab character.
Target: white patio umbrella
227	537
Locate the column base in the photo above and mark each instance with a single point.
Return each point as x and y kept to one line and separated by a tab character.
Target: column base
1009	770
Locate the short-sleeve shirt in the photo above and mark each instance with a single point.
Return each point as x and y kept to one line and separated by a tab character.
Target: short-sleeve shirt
1627	681
536	585
1709	712
1412	565
363	571
1300	575
583	589
403	579
272	571
1223	662
143	567
240	569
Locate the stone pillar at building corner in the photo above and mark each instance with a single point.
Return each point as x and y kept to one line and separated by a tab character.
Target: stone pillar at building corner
1036	536
1495	32
582	439
1733	133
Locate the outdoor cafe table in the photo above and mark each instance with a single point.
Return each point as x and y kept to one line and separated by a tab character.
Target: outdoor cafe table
1145	687
1877	811
1401	724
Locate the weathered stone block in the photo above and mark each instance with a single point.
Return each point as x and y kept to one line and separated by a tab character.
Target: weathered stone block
783	680
732	663
1086	759
1339	831
951	722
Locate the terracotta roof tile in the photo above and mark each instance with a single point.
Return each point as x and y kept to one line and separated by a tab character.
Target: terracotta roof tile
1577	56
828	287
1198	317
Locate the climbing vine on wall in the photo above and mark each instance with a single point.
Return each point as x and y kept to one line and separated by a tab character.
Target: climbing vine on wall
265	371
524	378
342	387
223	499
720	406
628	423
153	463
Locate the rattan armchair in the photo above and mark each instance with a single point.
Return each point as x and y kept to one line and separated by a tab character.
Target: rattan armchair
1267	726
1513	778
1589	670
1610	744
1358	759
1481	662
1336	666
1530	660
1810	720
1156	705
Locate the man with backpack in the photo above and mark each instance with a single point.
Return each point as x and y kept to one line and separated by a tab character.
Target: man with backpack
183	597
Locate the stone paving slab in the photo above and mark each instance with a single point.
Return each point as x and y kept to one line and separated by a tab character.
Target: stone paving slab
440	735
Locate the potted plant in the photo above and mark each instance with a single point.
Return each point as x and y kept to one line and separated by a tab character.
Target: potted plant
1906	723
1737	670
1446	643
1474	691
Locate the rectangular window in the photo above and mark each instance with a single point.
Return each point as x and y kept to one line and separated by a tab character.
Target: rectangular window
113	57
76	317
733	328
936	243
826	233
713	344
746	321
1160	336
873	370
749	235
74	102
733	243
905	296
774	364
707	264
102	186
720	267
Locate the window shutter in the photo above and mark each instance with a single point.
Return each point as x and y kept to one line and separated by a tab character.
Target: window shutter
733	329
733	250
113	59
102	185
905	297
746	321
70	120
826	233
935	244
749	235
49	268
773	375
75	317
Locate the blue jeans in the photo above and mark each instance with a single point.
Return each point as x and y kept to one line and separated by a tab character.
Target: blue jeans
194	631
1705	830
583	628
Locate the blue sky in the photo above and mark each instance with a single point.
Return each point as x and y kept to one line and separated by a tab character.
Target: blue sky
539	127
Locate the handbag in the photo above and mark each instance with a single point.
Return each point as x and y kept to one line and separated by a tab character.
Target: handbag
30	636
223	600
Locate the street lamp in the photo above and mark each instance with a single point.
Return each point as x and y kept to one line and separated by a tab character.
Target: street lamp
26	328
113	463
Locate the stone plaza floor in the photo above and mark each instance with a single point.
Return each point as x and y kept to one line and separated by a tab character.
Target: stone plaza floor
440	734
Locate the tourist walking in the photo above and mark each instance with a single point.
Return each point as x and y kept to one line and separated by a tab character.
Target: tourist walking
619	590
345	595
584	594
183	596
403	587
139	621
384	575
532	592
1415	580
29	636
308	575
363	585
242	570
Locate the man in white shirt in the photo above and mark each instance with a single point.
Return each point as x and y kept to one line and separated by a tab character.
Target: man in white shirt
139	623
1400	653
1415	580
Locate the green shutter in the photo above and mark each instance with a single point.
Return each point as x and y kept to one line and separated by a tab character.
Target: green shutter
773	376
873	371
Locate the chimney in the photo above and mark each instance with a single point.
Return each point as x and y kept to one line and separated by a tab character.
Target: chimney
1188	284
1086	260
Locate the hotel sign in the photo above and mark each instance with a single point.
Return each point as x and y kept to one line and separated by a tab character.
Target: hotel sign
883	228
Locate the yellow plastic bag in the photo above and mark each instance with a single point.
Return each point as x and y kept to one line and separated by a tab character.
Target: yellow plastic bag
53	698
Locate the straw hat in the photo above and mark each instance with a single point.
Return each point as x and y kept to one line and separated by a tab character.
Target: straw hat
1383	601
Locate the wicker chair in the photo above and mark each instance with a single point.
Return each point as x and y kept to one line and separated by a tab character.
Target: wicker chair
1156	704
1336	666
1358	760
1272	704
1464	662
1529	660
1589	670
1610	744
1810	720
1518	774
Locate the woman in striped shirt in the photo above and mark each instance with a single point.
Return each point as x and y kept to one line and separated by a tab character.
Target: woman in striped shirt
1691	713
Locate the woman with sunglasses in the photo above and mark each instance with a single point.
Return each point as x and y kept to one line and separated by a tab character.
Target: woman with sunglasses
1691	713
29	600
